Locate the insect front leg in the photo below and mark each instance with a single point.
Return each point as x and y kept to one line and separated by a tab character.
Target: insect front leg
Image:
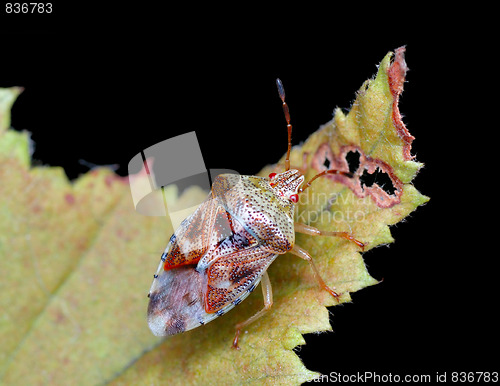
310	230
303	254
267	292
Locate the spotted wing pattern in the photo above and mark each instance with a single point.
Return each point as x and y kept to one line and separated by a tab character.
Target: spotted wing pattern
193	237
210	232
232	276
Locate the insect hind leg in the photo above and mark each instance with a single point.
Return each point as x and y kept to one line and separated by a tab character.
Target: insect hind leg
267	292
303	254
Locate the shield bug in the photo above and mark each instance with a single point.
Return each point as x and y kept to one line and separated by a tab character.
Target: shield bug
220	253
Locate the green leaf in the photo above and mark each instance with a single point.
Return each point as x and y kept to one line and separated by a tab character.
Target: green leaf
76	259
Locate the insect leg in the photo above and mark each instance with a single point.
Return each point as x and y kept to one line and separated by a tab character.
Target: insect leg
303	254
309	230
267	292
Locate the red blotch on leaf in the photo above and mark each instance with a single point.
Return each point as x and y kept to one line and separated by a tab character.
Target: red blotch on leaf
356	184
396	74
70	198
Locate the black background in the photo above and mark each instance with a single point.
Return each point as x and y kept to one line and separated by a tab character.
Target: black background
102	88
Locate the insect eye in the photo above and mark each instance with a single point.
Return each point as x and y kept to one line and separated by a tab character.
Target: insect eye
294	198
272	175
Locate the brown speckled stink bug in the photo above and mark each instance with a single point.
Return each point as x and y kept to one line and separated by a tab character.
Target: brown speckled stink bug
220	253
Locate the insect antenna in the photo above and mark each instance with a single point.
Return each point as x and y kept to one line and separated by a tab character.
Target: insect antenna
281	91
323	173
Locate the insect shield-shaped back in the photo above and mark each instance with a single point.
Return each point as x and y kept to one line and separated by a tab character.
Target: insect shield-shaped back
219	253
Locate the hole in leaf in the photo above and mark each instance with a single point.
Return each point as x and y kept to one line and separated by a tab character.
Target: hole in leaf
380	178
327	163
352	158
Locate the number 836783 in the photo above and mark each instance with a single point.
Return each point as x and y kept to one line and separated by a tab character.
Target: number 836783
28	7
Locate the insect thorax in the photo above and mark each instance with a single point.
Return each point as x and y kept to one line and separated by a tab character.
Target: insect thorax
255	204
